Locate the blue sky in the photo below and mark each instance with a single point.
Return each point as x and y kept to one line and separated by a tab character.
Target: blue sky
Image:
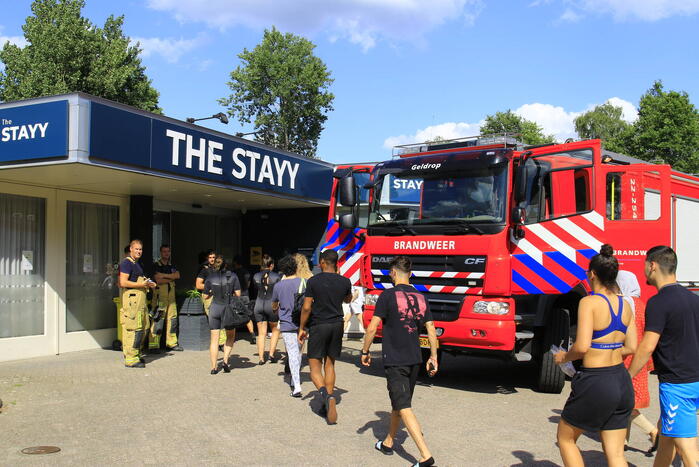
407	70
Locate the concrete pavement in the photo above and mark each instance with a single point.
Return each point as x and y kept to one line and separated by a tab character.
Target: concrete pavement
475	413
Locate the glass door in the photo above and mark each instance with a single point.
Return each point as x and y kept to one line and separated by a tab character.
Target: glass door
92	258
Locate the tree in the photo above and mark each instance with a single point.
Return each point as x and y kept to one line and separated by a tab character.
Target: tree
282	88
509	122
667	129
66	53
604	122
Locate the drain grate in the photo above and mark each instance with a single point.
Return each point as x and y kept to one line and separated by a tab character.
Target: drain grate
41	450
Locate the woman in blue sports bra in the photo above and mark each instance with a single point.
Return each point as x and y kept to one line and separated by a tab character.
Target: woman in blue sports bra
601	397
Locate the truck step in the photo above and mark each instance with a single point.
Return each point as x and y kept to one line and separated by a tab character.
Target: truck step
521	335
523	356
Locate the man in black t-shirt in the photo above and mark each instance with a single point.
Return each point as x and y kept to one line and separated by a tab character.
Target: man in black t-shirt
672	337
404	312
322	308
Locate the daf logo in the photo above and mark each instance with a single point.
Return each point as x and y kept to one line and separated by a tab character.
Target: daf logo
381	259
471	261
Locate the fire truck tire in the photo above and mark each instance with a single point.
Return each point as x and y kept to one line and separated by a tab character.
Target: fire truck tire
551	379
426	356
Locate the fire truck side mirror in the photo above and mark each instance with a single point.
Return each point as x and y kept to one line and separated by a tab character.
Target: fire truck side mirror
520	185
519	215
348	221
348	192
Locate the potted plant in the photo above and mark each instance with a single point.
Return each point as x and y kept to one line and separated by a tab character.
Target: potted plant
192	304
193	324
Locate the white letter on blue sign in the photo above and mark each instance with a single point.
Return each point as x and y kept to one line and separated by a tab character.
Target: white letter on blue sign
213	157
293	170
198	153
266	171
176	138
240	173
254	156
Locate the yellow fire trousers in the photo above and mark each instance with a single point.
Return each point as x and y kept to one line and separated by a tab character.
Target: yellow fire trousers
133	318
164	300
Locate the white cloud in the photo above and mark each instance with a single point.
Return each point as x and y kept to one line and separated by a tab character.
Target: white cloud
449	130
554	120
630	112
623	10
362	22
170	49
19	41
570	16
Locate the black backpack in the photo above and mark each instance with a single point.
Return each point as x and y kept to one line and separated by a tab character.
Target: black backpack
298	303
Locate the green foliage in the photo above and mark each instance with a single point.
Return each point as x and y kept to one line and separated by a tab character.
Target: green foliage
192	293
282	88
67	53
604	122
667	129
508	122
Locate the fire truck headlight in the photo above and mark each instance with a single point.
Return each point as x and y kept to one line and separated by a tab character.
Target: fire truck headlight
370	299
491	308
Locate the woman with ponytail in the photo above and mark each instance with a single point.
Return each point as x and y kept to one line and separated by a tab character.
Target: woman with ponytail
602	396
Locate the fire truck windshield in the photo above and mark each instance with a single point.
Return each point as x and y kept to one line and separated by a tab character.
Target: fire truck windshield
406	198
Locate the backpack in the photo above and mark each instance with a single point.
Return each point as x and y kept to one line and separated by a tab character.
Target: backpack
298	303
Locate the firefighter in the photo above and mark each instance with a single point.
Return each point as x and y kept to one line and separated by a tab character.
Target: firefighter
134	286
204	271
164	309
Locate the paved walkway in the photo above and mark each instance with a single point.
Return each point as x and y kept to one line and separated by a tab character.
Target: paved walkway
476	413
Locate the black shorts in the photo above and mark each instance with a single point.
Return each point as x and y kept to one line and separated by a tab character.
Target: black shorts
215	314
600	399
400	381
263	311
325	340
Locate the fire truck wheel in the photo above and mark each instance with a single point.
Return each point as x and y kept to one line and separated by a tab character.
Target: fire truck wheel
551	379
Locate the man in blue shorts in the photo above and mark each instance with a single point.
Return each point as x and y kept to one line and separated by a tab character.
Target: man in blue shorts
672	337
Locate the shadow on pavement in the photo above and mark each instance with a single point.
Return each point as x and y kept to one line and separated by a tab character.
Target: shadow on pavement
589	434
379	429
467	373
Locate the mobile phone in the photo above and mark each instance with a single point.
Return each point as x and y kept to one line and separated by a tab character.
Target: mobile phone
430	369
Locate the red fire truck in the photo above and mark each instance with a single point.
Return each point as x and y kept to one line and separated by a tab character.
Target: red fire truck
500	235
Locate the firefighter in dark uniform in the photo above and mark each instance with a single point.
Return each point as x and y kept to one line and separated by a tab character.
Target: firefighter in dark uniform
204	271
133	315
163	308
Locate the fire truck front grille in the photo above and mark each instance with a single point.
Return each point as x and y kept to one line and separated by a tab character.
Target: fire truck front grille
436	275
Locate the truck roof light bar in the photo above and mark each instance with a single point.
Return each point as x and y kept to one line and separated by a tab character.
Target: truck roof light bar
504	139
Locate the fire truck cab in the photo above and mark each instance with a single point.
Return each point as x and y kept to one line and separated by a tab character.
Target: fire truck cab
500	235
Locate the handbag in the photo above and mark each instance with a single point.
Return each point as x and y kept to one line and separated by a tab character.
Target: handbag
235	314
298	303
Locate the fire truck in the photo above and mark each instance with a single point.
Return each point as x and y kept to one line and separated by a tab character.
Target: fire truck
500	235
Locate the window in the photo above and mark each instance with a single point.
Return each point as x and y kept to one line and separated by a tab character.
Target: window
22	229
549	181
633	195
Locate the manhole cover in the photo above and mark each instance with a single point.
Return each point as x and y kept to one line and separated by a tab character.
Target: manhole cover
40	450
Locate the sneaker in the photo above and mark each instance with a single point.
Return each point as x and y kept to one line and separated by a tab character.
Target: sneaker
379	446
176	348
136	365
296	394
